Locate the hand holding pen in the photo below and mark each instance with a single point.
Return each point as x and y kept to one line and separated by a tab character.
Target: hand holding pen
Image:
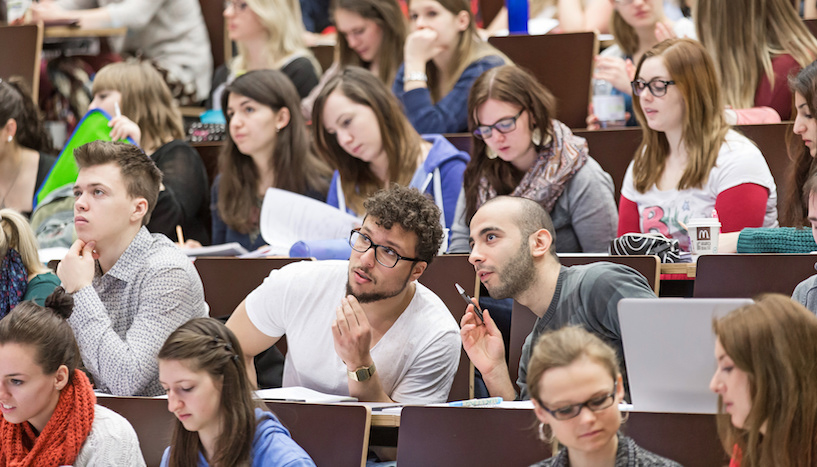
470	301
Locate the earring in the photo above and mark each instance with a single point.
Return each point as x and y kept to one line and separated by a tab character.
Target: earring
11	138
542	436
625	417
489	153
536	137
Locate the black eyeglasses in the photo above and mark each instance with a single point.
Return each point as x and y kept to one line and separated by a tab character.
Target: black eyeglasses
572	411
384	255
506	125
658	87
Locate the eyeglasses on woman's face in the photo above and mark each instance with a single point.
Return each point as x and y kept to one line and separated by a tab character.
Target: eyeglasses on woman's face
595	404
505	125
657	87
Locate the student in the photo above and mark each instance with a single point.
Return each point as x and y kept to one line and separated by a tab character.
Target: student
512	250
764	380
637	25
360	129
755	45
171	34
131	289
371	34
218	422
520	149
365	327
690	162
267	146
25	147
22	275
269	35
442	57
576	387
796	210
50	416
150	118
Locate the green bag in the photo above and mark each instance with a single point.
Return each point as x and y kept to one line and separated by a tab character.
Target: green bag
92	127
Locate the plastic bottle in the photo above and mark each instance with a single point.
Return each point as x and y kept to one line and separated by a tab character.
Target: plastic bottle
608	107
517	16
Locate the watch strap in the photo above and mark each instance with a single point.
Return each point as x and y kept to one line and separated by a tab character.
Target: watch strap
361	374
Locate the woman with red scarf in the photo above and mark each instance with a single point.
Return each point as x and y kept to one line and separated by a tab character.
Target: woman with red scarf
50	416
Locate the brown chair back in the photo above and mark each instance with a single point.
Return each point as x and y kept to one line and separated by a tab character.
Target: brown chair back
746	276
209	151
213	12
23	46
331	434
469	436
771	139
522	318
563	63
440	277
689	439
151	421
228	281
613	150
325	54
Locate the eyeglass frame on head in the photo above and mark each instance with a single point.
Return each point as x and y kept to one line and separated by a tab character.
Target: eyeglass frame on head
478	132
577	408
649	85
374	245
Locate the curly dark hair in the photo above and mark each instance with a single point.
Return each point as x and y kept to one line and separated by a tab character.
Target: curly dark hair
411	210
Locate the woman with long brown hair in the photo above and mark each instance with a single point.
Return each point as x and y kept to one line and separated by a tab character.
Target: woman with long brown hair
267	146
690	162
201	366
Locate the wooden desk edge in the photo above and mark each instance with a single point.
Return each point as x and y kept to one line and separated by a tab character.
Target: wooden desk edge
67	31
678	268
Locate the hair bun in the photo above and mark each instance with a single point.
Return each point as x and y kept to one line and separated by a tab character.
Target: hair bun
60	302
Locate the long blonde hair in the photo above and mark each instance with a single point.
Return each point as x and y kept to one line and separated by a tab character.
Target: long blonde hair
704	126
16	233
742	36
146	100
285	34
470	48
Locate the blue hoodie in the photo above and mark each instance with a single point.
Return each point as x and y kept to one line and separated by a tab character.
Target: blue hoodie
271	447
444	156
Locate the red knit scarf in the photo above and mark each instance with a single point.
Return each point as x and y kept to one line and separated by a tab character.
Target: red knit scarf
63	435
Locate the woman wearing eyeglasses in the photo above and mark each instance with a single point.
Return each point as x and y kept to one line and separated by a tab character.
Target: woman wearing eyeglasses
359	128
690	163
519	149
575	387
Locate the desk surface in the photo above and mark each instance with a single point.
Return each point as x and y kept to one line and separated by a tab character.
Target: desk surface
678	268
68	31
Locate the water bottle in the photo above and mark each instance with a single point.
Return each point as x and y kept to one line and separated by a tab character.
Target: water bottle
608	107
517	16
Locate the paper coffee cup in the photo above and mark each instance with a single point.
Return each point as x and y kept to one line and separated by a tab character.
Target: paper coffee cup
703	235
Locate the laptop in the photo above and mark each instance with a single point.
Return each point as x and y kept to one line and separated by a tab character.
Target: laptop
669	349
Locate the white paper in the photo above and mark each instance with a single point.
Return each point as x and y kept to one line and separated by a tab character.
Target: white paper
301	394
225	249
288	217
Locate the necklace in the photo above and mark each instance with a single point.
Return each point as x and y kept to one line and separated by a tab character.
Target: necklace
13	181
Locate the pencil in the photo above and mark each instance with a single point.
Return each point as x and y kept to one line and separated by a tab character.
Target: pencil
179	235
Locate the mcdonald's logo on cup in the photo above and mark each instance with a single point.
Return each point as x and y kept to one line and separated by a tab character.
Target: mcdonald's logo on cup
703	235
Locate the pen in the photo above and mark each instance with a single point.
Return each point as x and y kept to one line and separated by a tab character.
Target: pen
179	235
116	109
467	299
485	402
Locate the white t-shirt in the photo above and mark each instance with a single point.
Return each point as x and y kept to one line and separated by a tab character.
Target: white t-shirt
739	161
416	359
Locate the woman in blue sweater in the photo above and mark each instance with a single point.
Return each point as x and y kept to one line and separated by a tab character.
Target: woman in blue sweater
201	367
359	128
443	56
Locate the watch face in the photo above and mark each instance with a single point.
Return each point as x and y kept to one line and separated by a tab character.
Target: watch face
362	374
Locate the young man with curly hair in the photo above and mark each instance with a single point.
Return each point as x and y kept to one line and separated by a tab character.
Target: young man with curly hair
362	327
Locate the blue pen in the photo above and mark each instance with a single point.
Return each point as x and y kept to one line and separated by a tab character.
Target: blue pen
485	402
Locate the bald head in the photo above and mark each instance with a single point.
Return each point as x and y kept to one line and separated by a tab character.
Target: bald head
528	215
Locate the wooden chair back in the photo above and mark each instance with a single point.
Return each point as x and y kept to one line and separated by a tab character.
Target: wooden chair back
772	140
332	434
151	421
213	12
22	54
613	150
563	63
749	275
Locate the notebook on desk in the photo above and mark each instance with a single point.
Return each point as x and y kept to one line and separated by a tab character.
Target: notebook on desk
669	349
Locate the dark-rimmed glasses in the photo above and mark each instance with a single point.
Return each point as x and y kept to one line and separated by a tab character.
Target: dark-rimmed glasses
595	404
384	255
506	125
658	87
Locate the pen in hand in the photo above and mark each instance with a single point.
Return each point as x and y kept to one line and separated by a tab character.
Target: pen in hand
467	299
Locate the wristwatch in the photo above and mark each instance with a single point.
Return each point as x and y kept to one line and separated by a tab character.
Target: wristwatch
415	76
362	374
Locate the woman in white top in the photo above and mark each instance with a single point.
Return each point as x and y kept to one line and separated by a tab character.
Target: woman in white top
48	405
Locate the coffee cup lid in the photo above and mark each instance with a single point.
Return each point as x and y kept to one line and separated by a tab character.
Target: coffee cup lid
703	222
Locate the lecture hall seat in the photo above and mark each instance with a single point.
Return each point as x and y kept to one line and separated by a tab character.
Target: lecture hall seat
749	275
